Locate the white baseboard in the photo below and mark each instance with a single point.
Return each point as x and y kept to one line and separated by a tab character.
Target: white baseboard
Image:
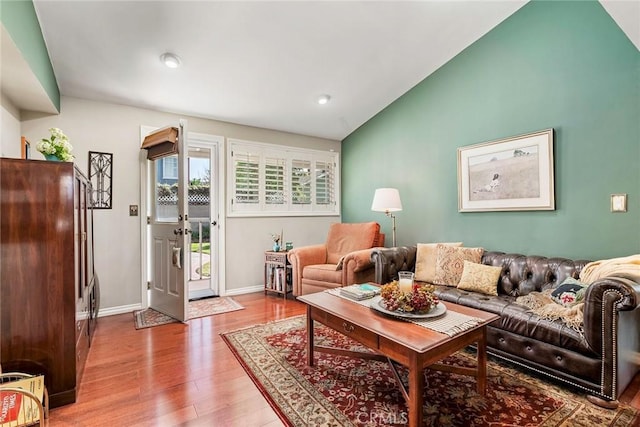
119	310
111	311
240	291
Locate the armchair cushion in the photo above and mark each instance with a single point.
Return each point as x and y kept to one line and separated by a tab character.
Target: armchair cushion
345	238
322	273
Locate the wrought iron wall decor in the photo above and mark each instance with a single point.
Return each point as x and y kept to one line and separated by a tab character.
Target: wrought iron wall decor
101	176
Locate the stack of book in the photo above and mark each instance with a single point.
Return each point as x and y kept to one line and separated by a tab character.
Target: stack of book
360	292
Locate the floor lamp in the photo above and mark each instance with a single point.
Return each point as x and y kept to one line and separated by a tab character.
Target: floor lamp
387	200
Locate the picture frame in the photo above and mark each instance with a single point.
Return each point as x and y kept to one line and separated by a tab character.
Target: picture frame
510	174
101	177
25	148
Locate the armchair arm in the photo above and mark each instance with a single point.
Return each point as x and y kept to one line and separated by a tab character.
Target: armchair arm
300	258
357	267
388	261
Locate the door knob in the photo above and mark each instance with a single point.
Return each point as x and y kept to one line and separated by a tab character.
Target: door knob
214	223
177	231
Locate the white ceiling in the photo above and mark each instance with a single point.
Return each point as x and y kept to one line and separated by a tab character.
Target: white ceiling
265	63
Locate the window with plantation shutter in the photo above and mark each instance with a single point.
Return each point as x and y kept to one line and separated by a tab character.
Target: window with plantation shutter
324	182
275	180
246	167
301	182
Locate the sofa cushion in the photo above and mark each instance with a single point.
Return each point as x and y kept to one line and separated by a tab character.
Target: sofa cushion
450	263
426	256
348	237
322	273
518	319
480	278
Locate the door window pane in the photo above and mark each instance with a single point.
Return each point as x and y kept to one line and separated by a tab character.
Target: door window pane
166	193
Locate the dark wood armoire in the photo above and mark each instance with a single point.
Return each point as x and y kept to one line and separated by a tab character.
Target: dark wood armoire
48	289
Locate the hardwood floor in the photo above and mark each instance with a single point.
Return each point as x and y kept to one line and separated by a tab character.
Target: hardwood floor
182	374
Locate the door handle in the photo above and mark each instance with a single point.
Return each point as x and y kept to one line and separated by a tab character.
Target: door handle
214	223
176	258
177	231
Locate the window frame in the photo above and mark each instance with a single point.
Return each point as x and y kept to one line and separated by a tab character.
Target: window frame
268	155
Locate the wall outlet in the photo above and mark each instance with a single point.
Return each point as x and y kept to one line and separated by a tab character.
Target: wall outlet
133	210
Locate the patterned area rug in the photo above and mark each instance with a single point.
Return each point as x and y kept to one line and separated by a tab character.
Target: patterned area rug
200	308
346	391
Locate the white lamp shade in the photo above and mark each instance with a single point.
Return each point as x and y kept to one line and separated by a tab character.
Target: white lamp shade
386	200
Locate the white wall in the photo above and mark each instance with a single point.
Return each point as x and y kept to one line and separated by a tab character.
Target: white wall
111	128
9	129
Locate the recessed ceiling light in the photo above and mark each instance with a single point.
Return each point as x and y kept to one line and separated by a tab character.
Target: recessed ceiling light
323	99
171	60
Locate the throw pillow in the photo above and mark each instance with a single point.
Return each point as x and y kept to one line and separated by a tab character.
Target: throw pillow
570	292
426	256
480	278
450	263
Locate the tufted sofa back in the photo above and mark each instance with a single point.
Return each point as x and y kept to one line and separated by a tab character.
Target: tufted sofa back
522	274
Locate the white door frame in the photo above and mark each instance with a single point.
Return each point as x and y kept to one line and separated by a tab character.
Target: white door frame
145	202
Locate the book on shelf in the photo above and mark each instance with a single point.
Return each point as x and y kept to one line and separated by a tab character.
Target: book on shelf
360	292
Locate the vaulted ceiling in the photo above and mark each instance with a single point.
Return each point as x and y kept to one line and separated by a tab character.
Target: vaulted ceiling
266	63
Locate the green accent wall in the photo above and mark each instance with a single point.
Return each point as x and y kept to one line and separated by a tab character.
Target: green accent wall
564	65
20	20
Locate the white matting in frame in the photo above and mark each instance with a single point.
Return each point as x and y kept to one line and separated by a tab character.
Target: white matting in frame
511	174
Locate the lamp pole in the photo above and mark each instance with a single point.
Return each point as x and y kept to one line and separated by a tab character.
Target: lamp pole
393	227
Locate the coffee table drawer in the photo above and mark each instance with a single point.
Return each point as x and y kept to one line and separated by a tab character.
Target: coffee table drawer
347	328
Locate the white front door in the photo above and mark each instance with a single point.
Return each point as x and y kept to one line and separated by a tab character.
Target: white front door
169	233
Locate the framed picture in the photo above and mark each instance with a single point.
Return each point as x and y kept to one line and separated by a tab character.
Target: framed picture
512	174
25	148
101	176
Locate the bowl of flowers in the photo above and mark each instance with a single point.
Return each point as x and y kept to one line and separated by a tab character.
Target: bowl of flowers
420	301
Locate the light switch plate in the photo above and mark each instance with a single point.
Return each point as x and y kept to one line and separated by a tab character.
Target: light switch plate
618	203
133	210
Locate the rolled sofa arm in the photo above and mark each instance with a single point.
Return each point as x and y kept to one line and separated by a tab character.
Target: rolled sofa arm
388	261
604	300
611	319
300	258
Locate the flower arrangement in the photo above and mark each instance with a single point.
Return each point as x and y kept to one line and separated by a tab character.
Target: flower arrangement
57	145
420	300
276	237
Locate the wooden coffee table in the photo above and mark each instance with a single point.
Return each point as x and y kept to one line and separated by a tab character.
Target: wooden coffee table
411	345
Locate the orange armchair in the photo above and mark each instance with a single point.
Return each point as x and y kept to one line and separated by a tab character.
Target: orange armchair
344	259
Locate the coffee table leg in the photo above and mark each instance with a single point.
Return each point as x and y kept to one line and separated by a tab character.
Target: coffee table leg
309	337
482	363
416	386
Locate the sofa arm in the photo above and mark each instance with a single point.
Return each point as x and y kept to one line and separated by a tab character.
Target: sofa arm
300	258
604	299
388	261
611	323
356	266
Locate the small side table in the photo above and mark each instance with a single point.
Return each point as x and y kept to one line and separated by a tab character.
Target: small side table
277	273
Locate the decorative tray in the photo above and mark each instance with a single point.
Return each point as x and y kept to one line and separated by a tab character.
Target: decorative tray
378	304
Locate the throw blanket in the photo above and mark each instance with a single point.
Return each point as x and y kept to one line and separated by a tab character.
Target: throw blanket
628	267
541	304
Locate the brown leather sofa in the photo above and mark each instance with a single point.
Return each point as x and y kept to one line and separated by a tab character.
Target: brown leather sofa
600	361
344	259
